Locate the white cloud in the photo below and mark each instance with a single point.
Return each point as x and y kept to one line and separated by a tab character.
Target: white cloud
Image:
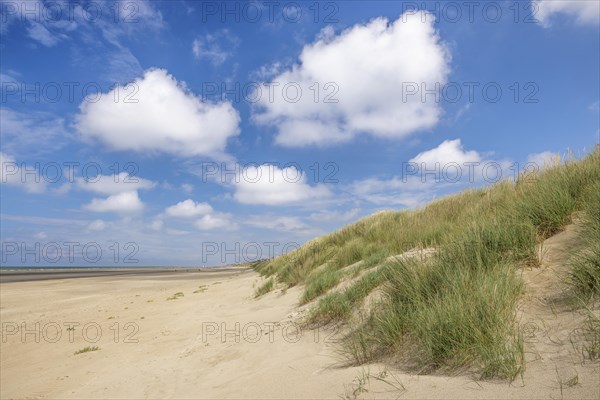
61	20
121	189
125	202
430	173
113	184
585	12
544	159
449	151
271	185
12	173
188	208
97	225
371	64
166	118
266	72
216	47
216	221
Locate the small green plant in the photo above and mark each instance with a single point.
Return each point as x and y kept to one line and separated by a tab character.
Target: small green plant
589	335
386	377
201	289
87	349
592	348
176	296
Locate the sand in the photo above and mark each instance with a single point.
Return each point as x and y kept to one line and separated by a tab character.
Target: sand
178	348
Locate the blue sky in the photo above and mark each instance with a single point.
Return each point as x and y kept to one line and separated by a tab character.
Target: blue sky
207	133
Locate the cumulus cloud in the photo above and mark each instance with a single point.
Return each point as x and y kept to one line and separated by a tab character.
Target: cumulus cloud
210	219
216	221
430	173
125	202
362	74
449	151
271	185
163	116
585	12
121	189
188	208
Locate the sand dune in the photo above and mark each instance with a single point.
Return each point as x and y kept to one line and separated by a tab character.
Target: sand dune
220	342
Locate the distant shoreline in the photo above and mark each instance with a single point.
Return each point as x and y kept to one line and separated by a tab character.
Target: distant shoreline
26	274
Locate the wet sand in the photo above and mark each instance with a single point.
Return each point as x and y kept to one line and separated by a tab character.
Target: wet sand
71	273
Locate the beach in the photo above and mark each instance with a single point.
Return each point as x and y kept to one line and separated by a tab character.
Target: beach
204	335
43	274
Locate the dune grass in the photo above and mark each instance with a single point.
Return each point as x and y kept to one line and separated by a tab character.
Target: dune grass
338	306
318	283
585	271
265	287
455	310
585	274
